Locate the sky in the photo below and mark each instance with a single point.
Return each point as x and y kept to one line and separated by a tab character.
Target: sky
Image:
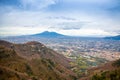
97	18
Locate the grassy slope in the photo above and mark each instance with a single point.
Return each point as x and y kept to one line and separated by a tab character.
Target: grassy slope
14	67
108	71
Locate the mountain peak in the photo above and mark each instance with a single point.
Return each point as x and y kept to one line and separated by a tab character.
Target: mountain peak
49	34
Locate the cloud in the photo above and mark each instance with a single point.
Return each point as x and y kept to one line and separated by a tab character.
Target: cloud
87	32
69	25
62	17
81	17
36	4
17	31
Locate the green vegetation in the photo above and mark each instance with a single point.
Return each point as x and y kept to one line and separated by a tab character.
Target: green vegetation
6	53
108	75
81	64
117	63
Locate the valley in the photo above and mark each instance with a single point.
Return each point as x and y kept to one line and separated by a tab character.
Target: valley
78	54
84	53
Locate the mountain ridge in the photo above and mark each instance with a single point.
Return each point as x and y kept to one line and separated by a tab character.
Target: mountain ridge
34	61
113	37
49	34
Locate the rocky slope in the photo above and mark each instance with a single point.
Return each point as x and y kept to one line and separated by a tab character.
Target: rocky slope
32	61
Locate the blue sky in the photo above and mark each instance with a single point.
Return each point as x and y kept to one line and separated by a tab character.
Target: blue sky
69	17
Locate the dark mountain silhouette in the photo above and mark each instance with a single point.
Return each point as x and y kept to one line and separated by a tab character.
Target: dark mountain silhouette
48	34
32	61
113	37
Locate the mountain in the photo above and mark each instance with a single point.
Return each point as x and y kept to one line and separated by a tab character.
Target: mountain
107	71
113	37
48	34
46	37
33	61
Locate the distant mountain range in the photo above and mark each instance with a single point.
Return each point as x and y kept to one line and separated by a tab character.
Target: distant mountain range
113	37
48	34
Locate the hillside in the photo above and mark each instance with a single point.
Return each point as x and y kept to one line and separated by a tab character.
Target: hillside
12	67
108	71
32	61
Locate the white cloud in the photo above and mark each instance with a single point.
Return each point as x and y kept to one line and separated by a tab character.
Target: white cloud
36	22
83	20
36	4
87	32
16	31
24	18
101	2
